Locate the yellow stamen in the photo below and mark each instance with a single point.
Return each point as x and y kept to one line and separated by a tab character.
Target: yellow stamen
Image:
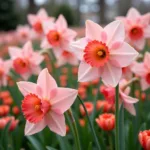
100	53
37	107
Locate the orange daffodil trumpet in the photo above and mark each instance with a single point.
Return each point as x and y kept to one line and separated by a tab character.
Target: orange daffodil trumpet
137	28
44	104
103	53
25	61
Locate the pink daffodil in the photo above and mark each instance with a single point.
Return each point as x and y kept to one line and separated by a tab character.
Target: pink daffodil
57	35
67	56
44	104
5	67
36	20
137	28
128	102
23	32
103	53
25	61
143	71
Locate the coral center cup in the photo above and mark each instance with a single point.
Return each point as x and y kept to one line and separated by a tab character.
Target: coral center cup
96	53
53	37
148	78
38	27
136	33
21	66
34	108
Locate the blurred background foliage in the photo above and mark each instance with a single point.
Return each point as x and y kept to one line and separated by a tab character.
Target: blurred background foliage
13	12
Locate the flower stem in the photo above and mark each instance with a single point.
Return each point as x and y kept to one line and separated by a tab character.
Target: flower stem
117	119
75	129
91	125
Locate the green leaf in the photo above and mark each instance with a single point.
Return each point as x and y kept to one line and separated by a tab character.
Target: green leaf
90	146
50	148
36	144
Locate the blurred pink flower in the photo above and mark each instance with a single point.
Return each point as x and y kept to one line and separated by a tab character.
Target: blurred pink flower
57	35
67	56
5	67
128	102
25	61
103	53
143	70
44	104
137	28
36	20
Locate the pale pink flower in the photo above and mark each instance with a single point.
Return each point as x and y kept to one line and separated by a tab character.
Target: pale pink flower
25	61
137	28
143	70
5	67
57	35
44	104
23	33
67	57
128	102
36	20
103	53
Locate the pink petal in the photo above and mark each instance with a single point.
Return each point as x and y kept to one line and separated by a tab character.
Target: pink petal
64	98
31	128
147	32
87	73
144	84
139	44
42	13
93	30
123	56
127	99
115	32
130	108
133	14
46	82
61	23
111	75
37	58
47	26
27	49
32	19
139	69
36	70
56	123
78	46
14	52
69	34
61	61
147	60
45	44
27	87
73	61
26	76
7	66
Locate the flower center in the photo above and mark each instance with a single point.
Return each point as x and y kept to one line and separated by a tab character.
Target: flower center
21	66
66	54
53	37
34	108
38	27
96	53
148	78
136	33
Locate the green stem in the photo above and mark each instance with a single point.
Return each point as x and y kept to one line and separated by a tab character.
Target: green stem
117	119
110	141
91	125
76	135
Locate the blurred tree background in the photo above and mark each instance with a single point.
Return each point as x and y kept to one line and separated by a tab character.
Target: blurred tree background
13	12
